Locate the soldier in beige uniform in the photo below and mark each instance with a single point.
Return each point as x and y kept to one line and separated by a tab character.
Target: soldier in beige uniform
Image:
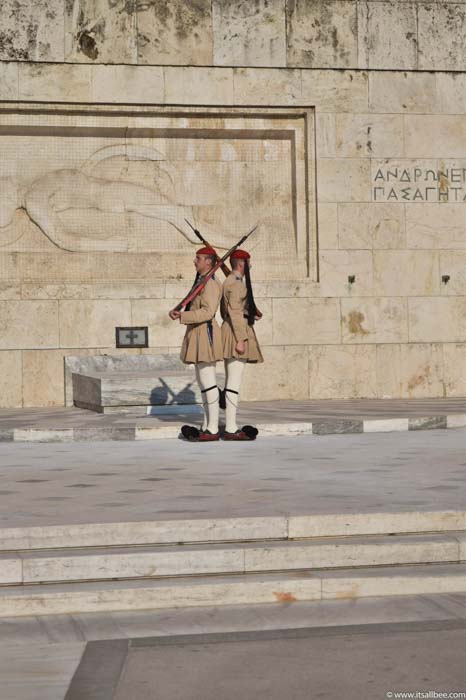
239	340
202	343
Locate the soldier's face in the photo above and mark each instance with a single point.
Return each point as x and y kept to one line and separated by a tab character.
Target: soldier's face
202	264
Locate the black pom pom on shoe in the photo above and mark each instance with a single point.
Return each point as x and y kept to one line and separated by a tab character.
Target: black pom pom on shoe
189	432
250	431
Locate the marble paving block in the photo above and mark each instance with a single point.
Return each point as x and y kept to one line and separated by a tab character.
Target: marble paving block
37	435
160	433
456	421
403	91
342	371
322	34
198	86
325	135
312	321
446	136
370	135
328	426
101	597
249	33
437	319
8	81
450	92
32	31
454	356
387	425
286	429
54	82
43	378
387	35
461	538
441	29
344	180
284	369
335	91
260	86
375	523
406	273
410	370
436	226
335	266
10	568
98	32
427	423
327	225
89	323
400	581
97	435
371	226
128	84
10	378
353	552
376	319
154	532
142	563
38	327
175	32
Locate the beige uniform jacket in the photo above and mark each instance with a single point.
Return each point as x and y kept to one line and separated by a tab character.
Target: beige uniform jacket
203	338
235	324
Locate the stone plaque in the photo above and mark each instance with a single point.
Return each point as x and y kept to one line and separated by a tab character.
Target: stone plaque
102	193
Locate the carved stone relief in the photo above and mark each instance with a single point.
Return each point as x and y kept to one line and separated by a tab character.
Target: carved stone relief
111	184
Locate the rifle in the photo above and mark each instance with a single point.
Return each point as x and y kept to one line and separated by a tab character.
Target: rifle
199	287
225	269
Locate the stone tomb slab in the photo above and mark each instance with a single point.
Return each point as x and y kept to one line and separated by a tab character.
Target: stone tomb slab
124	392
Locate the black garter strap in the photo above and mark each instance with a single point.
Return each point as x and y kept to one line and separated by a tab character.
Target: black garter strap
232	391
203	391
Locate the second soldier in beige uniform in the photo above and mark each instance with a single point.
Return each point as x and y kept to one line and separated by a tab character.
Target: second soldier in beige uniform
240	344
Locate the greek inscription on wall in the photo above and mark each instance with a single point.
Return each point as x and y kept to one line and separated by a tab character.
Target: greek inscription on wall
418	183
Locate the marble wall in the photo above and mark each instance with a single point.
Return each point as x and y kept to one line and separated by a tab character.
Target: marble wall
364	34
370	298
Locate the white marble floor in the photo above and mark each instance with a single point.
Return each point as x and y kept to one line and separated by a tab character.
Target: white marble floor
50	484
38	656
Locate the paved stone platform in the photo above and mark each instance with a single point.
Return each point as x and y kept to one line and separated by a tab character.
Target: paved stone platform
39	656
272	418
108	482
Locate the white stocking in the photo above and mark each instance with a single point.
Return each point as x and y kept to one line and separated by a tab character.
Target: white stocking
206	376
234	373
205	405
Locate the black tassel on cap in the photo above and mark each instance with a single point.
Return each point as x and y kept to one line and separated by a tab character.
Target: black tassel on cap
252	311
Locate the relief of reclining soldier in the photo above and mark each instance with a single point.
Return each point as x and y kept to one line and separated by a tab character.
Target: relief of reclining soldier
49	196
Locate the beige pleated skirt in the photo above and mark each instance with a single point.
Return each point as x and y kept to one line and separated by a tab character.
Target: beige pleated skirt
253	351
197	346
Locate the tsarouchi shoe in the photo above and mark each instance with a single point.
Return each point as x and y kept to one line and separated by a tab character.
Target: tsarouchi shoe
207	436
247	432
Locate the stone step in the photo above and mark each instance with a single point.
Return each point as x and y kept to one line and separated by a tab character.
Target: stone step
240	529
241	558
153	594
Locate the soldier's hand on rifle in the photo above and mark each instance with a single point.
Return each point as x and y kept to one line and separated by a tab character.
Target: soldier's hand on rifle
174	314
241	347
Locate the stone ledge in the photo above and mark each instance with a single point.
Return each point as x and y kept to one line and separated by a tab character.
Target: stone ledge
161	431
